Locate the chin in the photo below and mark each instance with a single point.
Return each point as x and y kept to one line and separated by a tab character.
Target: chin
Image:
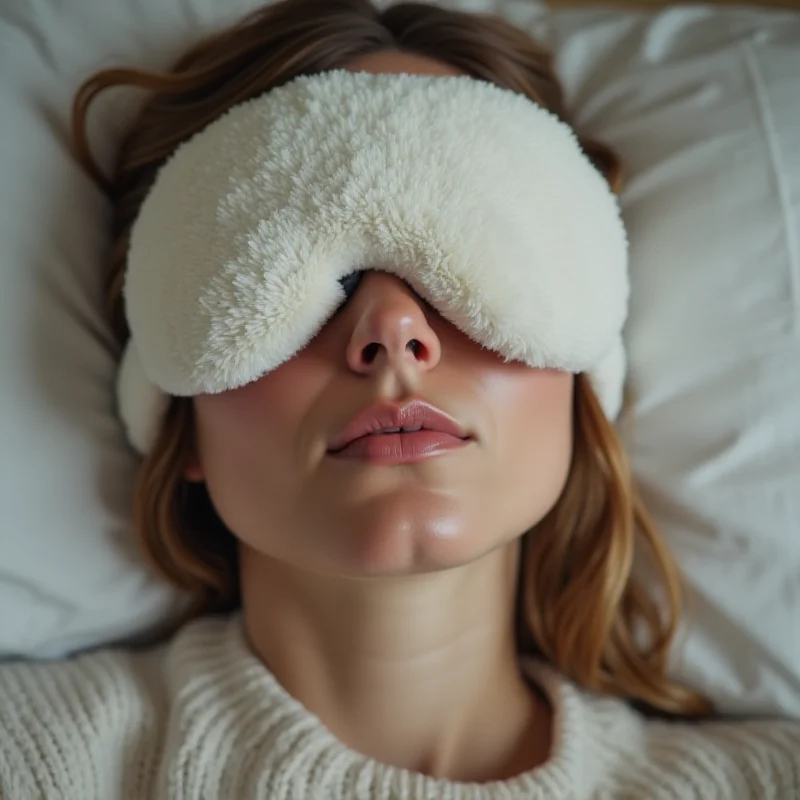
412	545
402	530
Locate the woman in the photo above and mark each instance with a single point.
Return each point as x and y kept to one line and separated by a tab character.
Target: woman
455	618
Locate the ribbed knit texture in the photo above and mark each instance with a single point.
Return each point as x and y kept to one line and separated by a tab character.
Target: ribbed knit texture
200	718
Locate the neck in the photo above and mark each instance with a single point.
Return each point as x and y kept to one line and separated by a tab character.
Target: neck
419	672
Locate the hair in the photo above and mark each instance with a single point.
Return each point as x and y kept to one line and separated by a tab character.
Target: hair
580	605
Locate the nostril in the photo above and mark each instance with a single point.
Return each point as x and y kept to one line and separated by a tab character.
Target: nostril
370	351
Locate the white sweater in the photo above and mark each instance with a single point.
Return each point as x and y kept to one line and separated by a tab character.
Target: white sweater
200	718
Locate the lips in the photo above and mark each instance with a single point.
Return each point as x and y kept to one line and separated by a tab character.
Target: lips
385	419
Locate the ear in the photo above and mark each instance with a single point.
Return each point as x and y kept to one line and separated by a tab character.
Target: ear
193	471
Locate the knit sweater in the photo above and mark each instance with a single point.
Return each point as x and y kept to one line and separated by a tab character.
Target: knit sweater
201	718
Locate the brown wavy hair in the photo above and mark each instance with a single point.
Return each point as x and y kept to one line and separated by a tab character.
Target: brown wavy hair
579	604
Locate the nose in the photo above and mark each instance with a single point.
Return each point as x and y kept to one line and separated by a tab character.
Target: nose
390	327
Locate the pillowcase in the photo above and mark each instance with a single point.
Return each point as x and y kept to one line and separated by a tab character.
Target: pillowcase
70	576
704	107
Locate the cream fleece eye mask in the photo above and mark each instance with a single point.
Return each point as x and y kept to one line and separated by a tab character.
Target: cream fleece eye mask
479	199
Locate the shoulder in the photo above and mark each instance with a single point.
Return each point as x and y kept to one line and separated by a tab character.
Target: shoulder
757	759
629	756
732	760
67	726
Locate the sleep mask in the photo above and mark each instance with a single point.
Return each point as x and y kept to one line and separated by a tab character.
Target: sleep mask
483	202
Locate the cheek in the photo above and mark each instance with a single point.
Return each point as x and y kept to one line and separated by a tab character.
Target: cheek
540	402
238	419
532	412
248	442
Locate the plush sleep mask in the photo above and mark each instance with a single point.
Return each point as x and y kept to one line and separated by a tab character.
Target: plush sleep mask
476	197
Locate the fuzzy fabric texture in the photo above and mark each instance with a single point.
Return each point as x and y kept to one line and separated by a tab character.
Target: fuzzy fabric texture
481	200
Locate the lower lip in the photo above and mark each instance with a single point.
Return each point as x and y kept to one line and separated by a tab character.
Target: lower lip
401	448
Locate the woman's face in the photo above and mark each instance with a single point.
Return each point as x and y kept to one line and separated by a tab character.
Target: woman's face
264	450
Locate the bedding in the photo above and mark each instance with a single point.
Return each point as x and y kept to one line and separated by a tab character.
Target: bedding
704	108
703	104
660	4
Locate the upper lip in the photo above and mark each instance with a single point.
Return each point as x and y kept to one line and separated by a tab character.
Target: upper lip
384	415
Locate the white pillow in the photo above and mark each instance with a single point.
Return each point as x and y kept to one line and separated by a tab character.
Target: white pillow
70	577
701	104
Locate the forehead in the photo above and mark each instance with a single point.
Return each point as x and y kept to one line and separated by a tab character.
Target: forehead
397	61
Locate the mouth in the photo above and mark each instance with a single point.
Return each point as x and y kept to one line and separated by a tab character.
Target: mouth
399	434
401	448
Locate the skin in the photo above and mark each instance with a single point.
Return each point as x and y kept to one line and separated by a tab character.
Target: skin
383	597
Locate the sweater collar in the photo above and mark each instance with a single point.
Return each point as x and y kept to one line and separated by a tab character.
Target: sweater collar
237	732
